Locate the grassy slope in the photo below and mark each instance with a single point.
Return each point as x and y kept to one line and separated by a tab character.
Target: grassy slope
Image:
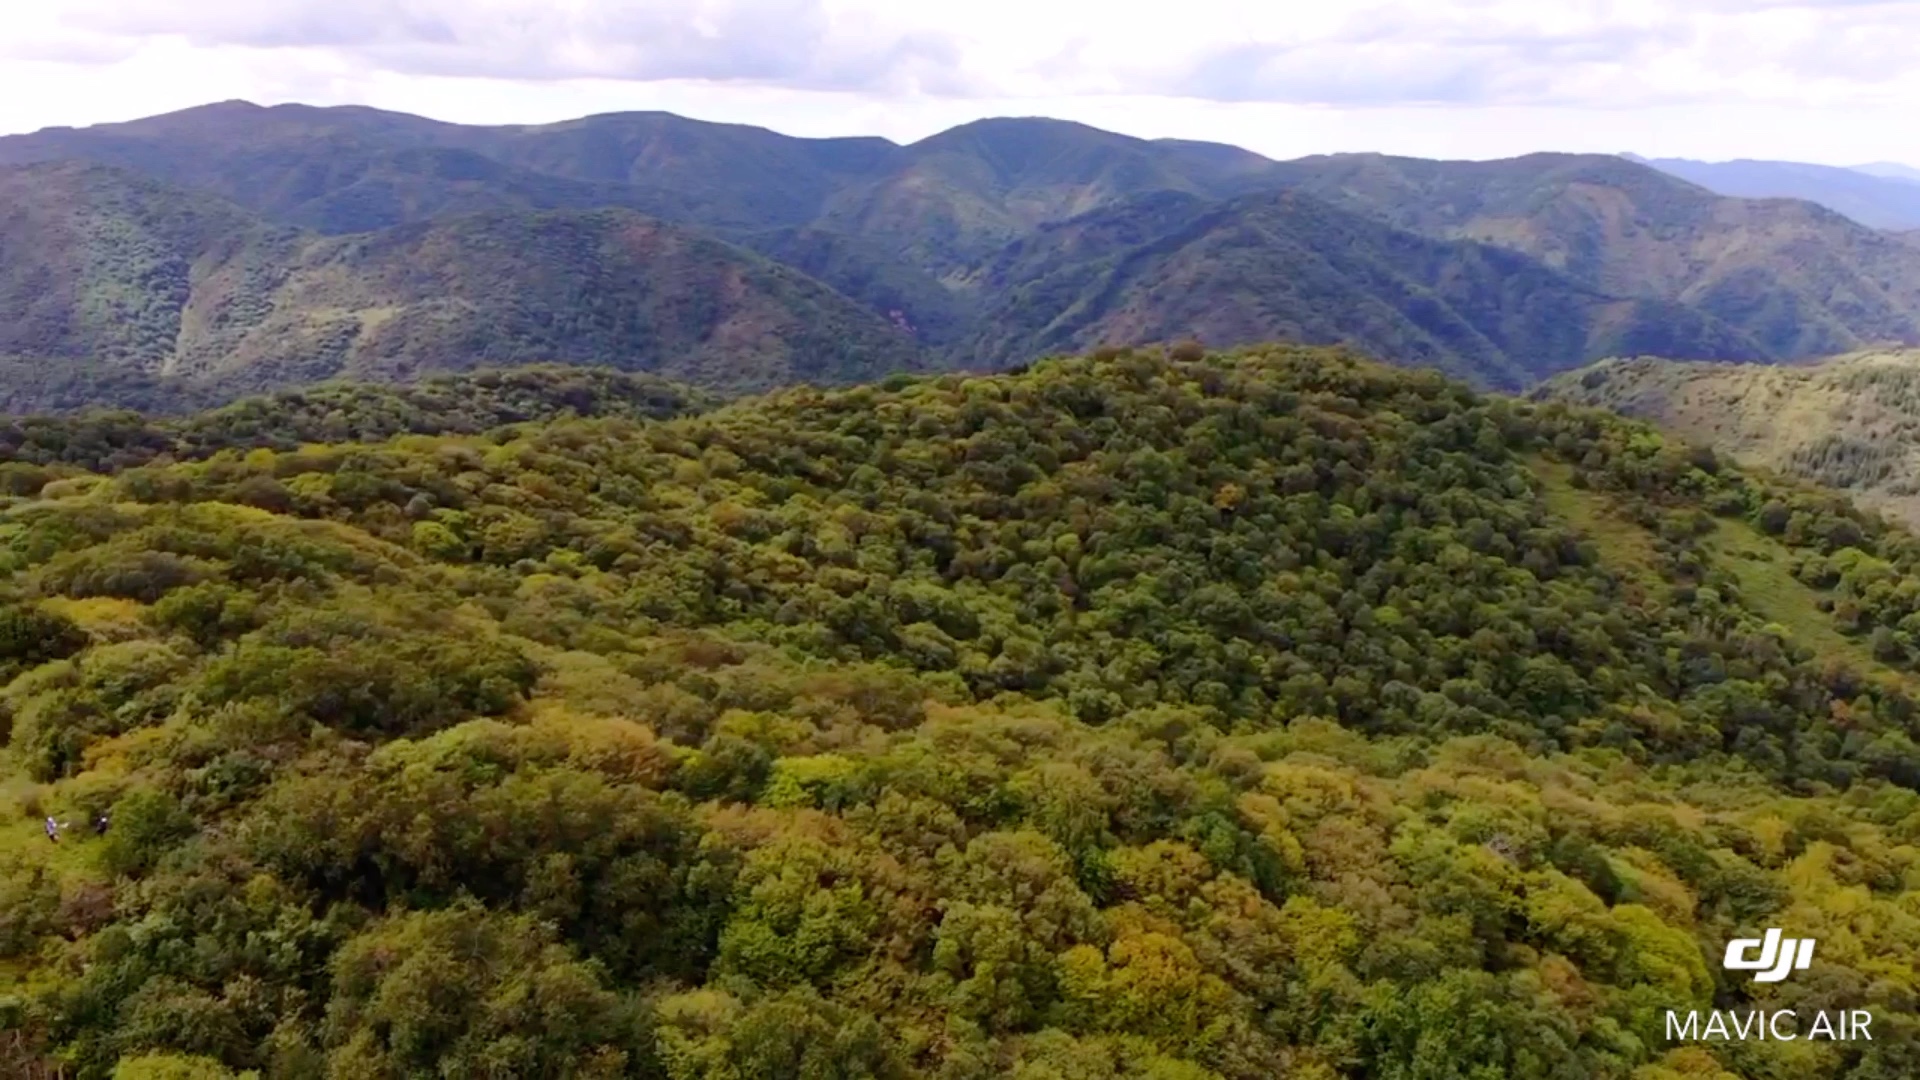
1760	564
1851	422
1624	544
1763	568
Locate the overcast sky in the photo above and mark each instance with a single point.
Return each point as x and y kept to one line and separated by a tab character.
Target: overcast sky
1802	80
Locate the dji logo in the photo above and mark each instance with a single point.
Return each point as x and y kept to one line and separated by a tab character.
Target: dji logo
1777	956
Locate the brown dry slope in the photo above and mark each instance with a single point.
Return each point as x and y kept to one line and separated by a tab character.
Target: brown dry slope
1851	422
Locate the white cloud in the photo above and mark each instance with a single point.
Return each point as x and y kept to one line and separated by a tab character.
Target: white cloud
1777	78
802	43
1370	52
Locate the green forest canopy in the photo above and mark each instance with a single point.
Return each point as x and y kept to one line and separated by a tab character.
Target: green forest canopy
1136	715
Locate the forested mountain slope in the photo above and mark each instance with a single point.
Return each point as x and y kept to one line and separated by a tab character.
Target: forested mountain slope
1799	279
102	271
1272	714
601	287
1850	422
338	170
955	198
953	242
98	263
1290	265
123	291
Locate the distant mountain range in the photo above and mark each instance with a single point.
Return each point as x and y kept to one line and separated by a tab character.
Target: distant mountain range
1292	265
1882	195
233	248
104	268
1890	170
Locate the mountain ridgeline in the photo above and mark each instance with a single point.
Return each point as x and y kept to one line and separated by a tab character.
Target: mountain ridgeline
1143	715
234	248
1882	196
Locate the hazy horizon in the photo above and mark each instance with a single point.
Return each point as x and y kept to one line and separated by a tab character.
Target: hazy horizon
1118	129
1477	79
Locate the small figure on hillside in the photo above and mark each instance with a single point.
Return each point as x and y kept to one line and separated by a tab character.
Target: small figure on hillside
53	830
100	825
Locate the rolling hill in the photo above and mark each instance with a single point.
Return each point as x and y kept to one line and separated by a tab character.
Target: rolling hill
603	287
1291	266
96	263
298	164
1130	718
332	170
1889	170
877	275
1800	280
1850	422
382	243
941	202
1889	201
955	198
105	270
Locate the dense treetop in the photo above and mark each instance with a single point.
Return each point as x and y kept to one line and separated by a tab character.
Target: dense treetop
1135	715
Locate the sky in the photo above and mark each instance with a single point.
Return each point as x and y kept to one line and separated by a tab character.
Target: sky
1801	80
